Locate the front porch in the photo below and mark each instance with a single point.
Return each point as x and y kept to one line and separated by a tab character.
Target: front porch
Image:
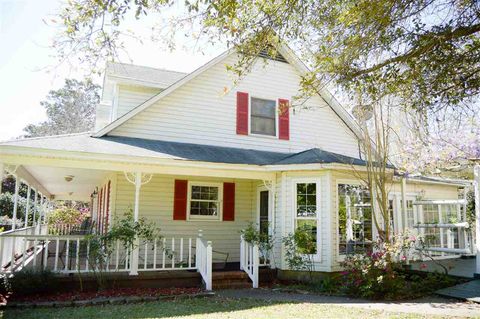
202	241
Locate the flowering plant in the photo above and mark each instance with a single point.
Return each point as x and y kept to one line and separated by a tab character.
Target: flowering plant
378	274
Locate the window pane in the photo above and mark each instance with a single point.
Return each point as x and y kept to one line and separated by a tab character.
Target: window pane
308	245
263	108
262	125
306	200
355	219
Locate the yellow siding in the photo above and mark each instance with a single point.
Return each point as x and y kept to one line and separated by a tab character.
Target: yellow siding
156	204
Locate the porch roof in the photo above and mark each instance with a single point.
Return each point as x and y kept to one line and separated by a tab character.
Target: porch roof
116	145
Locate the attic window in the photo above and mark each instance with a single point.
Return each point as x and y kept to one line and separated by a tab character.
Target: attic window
263	117
278	57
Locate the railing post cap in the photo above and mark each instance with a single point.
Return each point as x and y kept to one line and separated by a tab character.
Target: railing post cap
209	243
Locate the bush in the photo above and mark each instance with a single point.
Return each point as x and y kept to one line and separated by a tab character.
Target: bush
30	282
66	215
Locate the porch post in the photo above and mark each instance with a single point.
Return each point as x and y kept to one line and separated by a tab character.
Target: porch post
404	202
27	206
15	203
476	183
2	175
135	251
35	208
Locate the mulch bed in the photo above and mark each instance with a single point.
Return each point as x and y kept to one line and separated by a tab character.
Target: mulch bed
64	297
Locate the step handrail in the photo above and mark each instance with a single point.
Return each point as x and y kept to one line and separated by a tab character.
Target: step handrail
203	260
250	260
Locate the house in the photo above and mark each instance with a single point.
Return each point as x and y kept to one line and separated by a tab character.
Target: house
190	152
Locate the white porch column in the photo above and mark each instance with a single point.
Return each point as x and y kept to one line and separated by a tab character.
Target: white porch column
404	204
476	183
135	252
2	175
27	206
34	220
15	203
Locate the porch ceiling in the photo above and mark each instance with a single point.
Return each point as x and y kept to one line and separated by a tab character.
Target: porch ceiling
79	188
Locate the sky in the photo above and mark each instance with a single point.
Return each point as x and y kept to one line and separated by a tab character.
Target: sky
28	70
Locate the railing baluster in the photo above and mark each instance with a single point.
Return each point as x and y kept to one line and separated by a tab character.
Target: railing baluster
146	256
34	252
87	257
45	253
155	254
173	252
181	252
57	251
67	253
190	252
117	257
77	261
164	253
24	254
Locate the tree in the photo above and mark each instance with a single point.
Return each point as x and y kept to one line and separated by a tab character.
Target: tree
424	52
70	109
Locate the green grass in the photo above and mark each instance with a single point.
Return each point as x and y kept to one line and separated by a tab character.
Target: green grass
211	308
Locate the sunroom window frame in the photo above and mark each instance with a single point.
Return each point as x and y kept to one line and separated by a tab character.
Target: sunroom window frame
219	201
250	114
317	256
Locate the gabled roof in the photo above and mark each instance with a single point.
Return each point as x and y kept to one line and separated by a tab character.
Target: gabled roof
128	146
284	50
145	75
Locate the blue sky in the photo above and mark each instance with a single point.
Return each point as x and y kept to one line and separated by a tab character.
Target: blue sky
26	73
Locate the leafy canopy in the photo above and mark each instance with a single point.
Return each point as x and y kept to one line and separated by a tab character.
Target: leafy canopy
70	109
424	52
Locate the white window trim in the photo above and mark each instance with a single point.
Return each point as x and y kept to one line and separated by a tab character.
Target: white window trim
317	257
250	97
219	216
341	257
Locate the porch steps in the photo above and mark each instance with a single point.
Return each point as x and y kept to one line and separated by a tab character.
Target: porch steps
238	279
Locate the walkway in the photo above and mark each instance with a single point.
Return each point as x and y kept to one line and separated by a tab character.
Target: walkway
426	306
468	291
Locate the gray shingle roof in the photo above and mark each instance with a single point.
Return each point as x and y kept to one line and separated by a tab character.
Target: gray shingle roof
117	145
159	77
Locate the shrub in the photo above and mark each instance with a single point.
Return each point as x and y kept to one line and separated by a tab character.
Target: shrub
252	234
29	282
299	248
66	215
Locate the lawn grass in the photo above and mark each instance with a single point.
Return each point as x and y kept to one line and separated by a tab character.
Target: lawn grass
212	308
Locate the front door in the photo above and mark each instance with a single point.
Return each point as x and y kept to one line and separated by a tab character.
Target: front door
263	210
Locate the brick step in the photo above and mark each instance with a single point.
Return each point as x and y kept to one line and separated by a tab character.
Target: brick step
231	285
220	275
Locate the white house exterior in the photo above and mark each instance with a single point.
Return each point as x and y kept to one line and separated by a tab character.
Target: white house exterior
192	152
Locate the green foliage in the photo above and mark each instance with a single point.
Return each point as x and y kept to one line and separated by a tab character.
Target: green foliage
424	53
70	109
252	234
299	247
29	282
66	215
7	204
125	230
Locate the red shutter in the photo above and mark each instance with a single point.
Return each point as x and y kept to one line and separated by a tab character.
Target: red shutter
228	201
242	113
180	200
284	119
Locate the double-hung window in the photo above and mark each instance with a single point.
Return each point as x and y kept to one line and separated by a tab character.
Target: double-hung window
263	117
306	210
204	201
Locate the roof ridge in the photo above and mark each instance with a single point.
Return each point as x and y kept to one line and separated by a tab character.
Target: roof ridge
45	137
148	67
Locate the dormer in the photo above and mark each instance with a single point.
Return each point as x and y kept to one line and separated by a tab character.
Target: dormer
126	86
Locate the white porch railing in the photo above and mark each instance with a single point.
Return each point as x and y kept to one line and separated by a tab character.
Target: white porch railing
63	229
72	254
12	245
250	260
204	260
